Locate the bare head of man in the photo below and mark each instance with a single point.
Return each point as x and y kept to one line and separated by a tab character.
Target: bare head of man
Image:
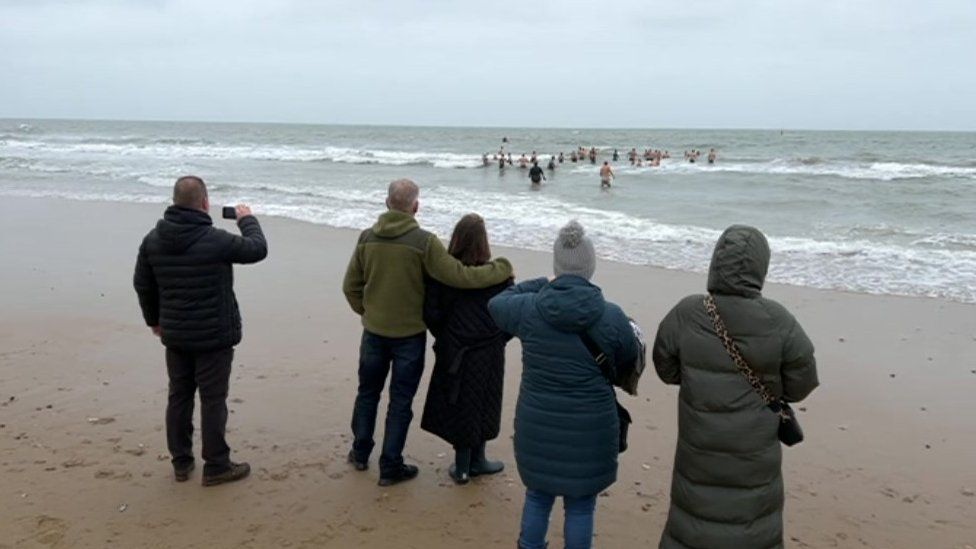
403	196
191	192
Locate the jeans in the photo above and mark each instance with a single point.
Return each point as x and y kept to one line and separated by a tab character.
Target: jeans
376	355
210	373
578	527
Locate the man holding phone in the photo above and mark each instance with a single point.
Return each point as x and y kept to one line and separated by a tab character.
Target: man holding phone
184	280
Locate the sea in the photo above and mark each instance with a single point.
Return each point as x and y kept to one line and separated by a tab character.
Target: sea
874	212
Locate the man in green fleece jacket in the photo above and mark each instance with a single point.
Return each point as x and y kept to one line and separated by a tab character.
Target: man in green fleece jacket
384	284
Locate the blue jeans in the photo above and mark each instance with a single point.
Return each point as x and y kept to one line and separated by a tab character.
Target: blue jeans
376	355
578	527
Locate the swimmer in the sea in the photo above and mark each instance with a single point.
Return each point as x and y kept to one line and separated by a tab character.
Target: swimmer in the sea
616	155
552	163
523	162
711	156
536	175
592	155
606	175
561	158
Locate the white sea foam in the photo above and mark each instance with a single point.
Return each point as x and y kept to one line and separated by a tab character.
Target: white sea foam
881	171
176	149
135	146
528	220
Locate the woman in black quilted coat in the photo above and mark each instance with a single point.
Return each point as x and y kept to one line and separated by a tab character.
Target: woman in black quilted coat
464	400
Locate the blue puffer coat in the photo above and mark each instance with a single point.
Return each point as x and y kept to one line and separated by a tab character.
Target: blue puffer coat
565	421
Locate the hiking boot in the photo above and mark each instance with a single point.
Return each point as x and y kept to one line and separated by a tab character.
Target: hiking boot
237	471
460	478
404	473
359	465
182	471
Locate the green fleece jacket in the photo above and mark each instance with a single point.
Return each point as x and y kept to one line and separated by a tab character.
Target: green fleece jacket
384	282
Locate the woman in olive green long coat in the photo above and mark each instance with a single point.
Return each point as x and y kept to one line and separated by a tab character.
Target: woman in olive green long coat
727	488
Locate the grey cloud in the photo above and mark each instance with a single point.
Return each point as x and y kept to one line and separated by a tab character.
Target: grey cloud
703	63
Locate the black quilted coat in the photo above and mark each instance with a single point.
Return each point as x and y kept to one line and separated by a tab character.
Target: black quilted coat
185	281
464	400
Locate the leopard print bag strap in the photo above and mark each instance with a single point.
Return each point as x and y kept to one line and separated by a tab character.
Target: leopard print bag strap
733	350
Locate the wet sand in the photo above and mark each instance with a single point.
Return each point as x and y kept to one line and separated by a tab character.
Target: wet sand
888	462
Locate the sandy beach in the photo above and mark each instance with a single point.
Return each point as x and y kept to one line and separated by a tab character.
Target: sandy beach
888	461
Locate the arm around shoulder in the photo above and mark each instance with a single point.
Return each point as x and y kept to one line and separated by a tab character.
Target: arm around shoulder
446	269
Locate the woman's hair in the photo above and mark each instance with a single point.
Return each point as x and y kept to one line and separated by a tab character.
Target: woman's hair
469	243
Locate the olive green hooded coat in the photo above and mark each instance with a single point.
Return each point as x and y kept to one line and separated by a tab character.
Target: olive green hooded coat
727	488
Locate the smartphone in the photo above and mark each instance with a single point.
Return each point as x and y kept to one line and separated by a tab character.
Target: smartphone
229	212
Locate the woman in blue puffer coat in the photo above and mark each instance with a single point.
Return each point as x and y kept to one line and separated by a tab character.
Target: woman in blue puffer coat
566	427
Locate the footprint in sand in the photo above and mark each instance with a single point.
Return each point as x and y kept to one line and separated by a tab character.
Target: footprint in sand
109	474
75	462
137	451
45	530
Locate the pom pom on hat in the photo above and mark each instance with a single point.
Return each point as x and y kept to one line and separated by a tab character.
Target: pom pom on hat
573	252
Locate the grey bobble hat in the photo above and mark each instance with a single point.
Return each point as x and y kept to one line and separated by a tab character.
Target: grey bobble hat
573	253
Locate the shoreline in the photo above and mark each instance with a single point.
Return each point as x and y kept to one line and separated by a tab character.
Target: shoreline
887	461
164	202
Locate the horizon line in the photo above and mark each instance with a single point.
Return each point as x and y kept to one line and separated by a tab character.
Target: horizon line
486	127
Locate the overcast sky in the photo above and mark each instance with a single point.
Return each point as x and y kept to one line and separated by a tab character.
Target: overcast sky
827	64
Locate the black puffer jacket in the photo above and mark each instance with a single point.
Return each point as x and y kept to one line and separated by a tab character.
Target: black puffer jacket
185	279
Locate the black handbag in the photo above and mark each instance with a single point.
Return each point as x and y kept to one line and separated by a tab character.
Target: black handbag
623	416
789	431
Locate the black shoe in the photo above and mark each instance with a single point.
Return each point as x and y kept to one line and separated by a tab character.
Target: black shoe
461	478
182	471
359	465
237	471
404	473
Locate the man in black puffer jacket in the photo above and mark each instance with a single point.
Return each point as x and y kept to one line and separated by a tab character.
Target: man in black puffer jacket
185	282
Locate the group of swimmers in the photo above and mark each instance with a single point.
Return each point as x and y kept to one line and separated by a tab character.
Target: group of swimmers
650	157
693	155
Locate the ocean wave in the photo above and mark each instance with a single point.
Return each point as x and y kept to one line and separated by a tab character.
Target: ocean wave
69	147
881	171
191	148
939	265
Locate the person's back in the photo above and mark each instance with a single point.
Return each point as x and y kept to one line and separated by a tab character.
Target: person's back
385	285
727	488
566	425
464	399
185	284
191	263
535	174
606	175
